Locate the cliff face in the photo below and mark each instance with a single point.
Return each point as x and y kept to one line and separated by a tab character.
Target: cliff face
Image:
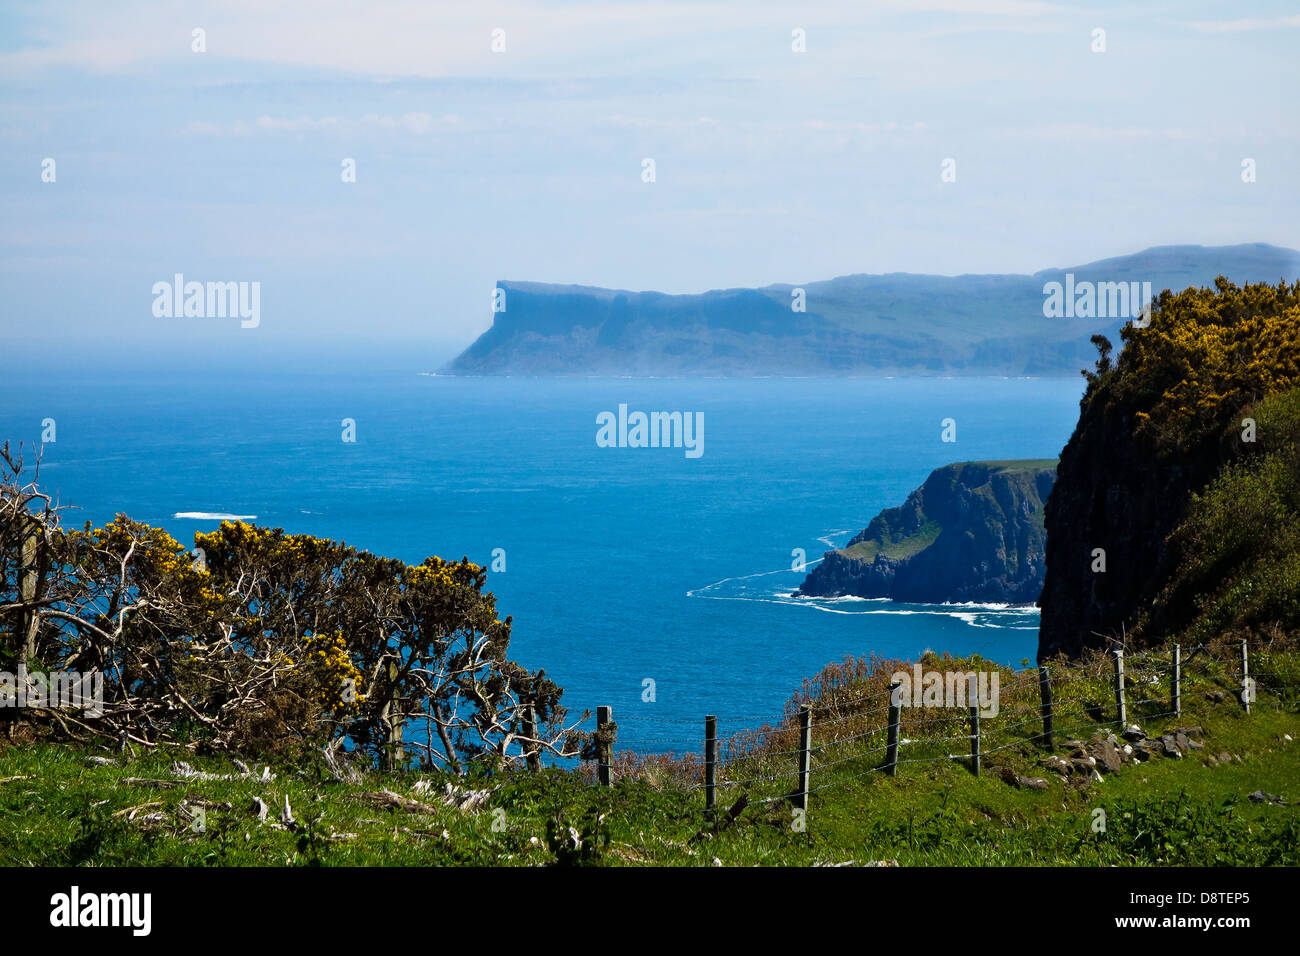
973	532
1115	493
1156	429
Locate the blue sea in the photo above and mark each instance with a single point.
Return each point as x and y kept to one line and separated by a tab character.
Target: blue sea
622	565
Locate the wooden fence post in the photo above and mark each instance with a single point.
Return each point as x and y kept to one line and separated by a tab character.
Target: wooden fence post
1119	688
974	730
805	755
604	716
891	750
1045	693
532	756
1176	683
1247	691
710	762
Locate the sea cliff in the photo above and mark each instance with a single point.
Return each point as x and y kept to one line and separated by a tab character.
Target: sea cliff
972	532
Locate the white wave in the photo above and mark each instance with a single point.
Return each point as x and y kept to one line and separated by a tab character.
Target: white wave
213	516
742	577
815	607
826	538
972	613
1023	608
973	618
967	616
839	599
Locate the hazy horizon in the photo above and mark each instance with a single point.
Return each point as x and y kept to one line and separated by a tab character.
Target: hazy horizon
771	165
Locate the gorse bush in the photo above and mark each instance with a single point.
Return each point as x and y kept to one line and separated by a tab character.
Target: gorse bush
1206	354
263	641
1159	426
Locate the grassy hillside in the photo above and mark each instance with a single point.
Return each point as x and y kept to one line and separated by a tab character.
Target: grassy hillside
62	805
1237	551
904	547
1013	466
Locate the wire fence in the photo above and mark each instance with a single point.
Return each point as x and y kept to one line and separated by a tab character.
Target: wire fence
924	716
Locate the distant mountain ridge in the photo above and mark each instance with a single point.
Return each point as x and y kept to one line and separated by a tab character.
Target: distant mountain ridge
891	324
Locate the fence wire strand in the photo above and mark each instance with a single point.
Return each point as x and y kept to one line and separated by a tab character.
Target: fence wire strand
1199	667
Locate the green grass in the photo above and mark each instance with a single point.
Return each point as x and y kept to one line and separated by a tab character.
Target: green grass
913	544
904	547
1017	465
66	810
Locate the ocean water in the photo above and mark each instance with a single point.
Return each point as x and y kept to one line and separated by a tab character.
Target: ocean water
623	565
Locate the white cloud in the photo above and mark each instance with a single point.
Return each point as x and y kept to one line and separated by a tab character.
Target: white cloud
415	123
1243	26
412	38
1092	133
974	7
436	38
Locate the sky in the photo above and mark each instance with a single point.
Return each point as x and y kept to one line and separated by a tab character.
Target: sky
527	163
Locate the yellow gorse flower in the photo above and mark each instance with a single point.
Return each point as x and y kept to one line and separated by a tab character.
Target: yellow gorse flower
337	677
